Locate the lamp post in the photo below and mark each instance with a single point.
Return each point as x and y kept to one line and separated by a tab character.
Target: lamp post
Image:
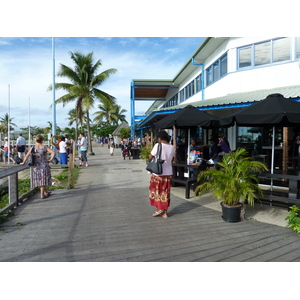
53	95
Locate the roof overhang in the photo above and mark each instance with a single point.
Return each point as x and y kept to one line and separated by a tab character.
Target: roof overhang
156	90
230	101
152	90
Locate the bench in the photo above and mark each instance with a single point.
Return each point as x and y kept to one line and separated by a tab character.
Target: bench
294	182
279	200
292	196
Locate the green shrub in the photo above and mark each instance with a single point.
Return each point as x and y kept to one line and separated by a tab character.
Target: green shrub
145	152
294	219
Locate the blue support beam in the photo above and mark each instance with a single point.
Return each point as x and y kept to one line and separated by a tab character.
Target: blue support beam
132	103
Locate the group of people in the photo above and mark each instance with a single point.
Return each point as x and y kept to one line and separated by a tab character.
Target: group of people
160	184
64	149
125	147
8	149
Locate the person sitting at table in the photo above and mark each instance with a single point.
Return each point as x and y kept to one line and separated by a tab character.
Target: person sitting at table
214	151
224	145
193	146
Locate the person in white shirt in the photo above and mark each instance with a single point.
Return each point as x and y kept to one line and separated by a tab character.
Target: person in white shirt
20	146
63	155
83	149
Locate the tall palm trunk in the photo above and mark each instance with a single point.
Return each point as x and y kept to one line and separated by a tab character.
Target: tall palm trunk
89	132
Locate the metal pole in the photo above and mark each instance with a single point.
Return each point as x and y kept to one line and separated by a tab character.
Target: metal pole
8	127
8	157
53	89
53	94
132	111
29	133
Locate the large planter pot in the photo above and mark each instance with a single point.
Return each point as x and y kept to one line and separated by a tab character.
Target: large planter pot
231	214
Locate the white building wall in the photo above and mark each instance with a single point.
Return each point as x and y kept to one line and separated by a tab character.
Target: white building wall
237	81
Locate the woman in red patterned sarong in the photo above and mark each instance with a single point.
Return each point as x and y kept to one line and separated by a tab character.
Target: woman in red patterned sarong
160	185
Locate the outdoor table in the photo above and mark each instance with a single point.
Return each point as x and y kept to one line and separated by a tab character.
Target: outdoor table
179	168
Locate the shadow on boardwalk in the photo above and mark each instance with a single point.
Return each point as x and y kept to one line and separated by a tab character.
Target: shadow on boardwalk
107	217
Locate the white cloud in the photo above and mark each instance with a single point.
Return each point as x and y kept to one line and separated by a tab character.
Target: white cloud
26	64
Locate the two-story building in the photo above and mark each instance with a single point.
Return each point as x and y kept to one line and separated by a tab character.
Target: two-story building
225	74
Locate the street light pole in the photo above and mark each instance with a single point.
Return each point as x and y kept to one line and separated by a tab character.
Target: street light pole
53	95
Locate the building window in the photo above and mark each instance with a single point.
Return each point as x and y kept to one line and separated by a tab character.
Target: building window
223	65
181	95
217	70
245	57
172	102
262	54
209	76
192	88
198	83
265	53
281	50
298	47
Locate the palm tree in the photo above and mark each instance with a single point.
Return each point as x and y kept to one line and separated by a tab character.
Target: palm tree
48	129
84	85
119	112
110	112
105	113
4	121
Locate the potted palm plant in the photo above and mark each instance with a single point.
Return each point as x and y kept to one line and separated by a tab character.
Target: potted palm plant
233	182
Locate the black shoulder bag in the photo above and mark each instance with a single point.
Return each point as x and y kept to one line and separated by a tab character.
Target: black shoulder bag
155	165
31	158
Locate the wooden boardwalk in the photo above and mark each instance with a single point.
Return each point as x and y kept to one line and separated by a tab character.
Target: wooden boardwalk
107	218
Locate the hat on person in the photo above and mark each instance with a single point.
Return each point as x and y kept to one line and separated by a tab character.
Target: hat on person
6	138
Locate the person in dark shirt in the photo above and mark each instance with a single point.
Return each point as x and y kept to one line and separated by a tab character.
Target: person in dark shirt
214	151
224	144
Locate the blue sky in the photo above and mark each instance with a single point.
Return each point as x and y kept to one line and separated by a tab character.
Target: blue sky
26	70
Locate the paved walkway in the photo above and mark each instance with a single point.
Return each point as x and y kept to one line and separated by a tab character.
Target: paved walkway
107	217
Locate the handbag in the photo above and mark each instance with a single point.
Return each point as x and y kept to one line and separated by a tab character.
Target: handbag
54	160
31	158
155	165
17	159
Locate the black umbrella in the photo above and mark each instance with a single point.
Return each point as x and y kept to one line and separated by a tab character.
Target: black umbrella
188	117
273	110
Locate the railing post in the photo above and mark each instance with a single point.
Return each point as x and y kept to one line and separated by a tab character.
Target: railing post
13	189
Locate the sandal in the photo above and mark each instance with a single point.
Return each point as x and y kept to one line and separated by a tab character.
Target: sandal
158	212
164	215
48	194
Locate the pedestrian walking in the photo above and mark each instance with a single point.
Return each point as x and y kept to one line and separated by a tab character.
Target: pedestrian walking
111	146
83	149
160	185
7	148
